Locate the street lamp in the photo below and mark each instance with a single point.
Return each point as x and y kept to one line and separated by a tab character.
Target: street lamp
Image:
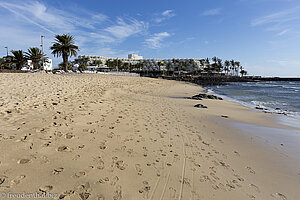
42	45
6	51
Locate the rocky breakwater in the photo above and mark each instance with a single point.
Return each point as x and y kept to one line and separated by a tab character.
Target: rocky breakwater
204	96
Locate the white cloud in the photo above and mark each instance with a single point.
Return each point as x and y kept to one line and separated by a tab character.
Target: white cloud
278	17
167	14
99	18
282	22
50	20
154	42
283	32
15	9
211	12
24	23
123	29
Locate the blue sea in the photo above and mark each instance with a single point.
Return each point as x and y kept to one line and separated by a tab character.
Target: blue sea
276	97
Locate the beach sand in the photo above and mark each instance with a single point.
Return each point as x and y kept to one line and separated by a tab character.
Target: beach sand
114	137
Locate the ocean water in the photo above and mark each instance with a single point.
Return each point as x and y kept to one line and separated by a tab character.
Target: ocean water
276	97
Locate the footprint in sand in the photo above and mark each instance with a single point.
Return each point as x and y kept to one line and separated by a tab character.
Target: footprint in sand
120	165
17	180
58	170
237	153
46	188
250	170
100	197
110	135
79	174
145	190
76	157
44	159
238	177
114	180
2	179
138	169
130	152
172	193
93	131
63	148
230	185
47	144
102	145
84	195
279	196
23	161
100	164
255	187
101	180
118	193
69	136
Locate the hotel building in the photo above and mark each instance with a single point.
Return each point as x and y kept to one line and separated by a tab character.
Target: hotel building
149	64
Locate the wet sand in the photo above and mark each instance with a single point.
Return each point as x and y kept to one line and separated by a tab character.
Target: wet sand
114	137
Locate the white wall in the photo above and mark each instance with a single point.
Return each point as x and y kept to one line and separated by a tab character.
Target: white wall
47	64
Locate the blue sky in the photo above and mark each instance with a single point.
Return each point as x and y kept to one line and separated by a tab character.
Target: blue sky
264	35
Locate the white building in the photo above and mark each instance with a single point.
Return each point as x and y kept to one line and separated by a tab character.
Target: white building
47	65
150	64
135	57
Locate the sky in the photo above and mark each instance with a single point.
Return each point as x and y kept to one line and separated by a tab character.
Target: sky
264	35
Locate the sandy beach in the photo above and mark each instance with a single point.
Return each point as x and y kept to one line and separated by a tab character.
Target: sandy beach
92	136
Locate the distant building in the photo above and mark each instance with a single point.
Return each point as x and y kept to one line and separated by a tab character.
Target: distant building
47	65
135	57
150	64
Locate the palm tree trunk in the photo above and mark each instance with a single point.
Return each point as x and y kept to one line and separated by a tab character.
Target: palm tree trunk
18	66
65	62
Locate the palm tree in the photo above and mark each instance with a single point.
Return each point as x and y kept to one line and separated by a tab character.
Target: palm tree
180	66
243	72
144	65
207	67
214	65
7	62
232	68
2	63
36	56
215	59
82	62
18	58
227	65
64	46
202	64
237	64
219	65
119	64
168	67
110	64
159	65
125	67
97	63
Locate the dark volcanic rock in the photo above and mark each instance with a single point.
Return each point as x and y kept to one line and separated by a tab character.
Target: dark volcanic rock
259	108
205	96
200	106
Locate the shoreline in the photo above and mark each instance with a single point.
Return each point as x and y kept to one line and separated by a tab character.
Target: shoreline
282	117
101	136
